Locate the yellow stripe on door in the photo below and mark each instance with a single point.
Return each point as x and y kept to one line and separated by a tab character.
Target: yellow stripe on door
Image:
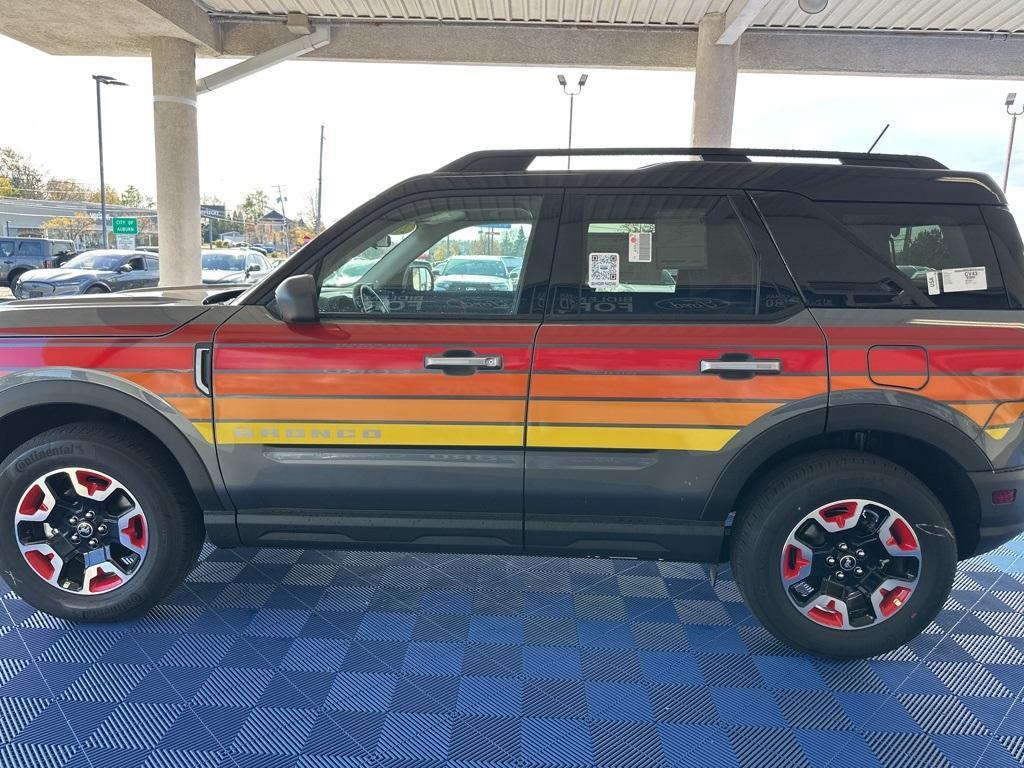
622	438
333	433
455	435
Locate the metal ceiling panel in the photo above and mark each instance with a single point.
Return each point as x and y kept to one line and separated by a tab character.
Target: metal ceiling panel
972	16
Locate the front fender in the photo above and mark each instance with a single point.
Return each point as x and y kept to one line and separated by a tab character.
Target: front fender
86	387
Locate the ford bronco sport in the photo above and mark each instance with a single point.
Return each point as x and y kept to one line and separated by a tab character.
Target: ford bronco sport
814	370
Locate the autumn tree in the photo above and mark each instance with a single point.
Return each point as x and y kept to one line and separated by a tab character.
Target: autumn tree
6	187
112	195
25	177
133	198
66	189
69	227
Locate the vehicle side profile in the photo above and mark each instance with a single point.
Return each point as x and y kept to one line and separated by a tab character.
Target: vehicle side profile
97	271
20	254
812	370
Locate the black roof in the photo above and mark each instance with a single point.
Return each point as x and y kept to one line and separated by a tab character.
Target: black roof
520	159
856	176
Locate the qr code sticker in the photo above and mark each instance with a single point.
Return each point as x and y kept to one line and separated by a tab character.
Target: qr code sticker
604	270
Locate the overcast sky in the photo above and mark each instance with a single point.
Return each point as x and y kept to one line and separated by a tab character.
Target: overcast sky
385	122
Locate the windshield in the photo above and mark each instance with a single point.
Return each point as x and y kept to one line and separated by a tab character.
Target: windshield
488	267
231	262
99	261
351	271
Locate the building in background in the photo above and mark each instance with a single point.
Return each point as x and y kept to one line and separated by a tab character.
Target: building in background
74	220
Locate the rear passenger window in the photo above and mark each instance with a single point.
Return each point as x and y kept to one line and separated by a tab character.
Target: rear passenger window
886	255
662	255
30	249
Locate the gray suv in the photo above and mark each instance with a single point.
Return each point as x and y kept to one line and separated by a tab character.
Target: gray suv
20	254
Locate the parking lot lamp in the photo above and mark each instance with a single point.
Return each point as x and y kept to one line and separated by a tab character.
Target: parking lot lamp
572	94
102	80
1010	99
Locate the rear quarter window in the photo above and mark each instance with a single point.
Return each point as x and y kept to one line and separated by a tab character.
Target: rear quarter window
886	255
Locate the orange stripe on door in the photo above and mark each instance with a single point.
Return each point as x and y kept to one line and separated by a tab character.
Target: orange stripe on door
664	413
341	385
627	386
341	409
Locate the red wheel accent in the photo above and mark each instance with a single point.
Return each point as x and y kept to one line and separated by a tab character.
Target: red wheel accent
793	562
103	582
135	530
902	536
33	501
839	513
41	564
892	599
829	617
92	481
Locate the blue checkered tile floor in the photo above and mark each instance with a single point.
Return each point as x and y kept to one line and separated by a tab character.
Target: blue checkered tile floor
383	660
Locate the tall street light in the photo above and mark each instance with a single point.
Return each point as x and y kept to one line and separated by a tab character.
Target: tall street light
572	94
1013	113
102	80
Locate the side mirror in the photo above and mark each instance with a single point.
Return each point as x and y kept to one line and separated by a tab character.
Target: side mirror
250	268
384	242
419	277
513	275
296	299
125	268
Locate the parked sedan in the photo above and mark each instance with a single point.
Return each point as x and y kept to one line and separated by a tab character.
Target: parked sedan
98	271
234	265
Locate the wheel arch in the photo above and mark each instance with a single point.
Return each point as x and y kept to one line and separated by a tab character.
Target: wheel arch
34	404
935	451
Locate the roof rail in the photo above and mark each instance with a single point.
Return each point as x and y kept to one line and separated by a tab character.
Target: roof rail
513	160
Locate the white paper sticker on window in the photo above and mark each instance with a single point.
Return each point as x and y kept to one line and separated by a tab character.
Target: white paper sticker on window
934	286
964	279
604	270
640	246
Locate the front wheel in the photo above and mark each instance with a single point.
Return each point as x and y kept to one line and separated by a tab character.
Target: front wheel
95	522
843	554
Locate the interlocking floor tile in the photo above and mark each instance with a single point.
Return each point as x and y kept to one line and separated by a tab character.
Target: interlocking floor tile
324	659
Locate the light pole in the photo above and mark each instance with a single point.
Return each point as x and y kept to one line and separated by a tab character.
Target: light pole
102	80
287	238
1010	99
572	94
318	224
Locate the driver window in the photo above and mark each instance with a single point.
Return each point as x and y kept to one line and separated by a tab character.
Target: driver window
136	263
442	256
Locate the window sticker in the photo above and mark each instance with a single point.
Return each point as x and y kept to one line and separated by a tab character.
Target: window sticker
934	286
604	270
640	247
964	279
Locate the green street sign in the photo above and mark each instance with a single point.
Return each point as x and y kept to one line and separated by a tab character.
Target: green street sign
125	226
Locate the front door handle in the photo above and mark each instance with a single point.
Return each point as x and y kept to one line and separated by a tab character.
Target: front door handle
740	366
462	361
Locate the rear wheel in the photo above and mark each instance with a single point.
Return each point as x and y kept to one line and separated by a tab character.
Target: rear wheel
96	289
843	554
13	277
98	523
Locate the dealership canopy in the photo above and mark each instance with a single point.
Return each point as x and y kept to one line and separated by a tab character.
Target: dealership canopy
716	38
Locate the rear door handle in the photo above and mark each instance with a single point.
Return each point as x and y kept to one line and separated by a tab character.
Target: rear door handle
464	362
740	367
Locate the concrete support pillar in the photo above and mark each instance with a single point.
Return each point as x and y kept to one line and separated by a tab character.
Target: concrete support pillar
177	160
714	87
